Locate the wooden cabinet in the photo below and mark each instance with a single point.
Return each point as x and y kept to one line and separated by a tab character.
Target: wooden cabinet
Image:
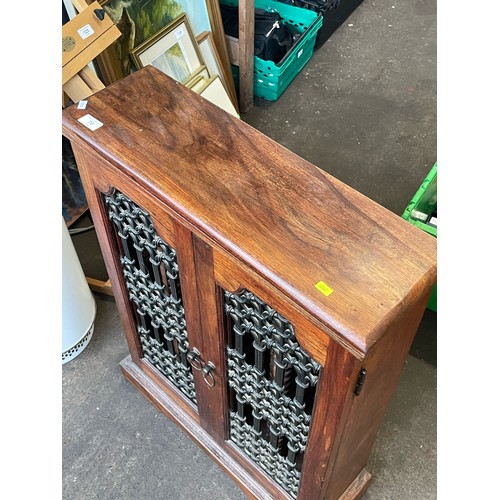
268	307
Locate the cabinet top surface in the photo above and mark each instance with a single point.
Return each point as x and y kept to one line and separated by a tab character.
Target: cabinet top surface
293	223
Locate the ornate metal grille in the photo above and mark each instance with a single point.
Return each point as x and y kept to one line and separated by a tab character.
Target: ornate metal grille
272	385
151	275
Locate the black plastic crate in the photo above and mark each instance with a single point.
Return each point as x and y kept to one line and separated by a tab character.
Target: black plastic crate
334	13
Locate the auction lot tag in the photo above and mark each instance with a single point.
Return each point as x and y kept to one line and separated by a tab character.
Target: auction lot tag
90	122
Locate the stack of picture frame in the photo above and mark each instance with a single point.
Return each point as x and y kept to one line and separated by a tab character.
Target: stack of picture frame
178	37
212	89
192	61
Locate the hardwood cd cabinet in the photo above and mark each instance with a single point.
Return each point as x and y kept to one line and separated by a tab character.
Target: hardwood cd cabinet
268	307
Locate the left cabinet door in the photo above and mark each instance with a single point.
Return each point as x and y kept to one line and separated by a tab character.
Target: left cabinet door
151	284
150	270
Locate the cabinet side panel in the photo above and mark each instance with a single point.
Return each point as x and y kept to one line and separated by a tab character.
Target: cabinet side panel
383	364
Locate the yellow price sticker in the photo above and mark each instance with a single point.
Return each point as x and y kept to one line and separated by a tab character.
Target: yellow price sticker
323	288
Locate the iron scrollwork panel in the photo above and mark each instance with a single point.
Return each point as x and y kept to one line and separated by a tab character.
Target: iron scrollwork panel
272	385
151	274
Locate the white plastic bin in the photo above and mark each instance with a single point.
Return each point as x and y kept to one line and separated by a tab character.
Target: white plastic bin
78	303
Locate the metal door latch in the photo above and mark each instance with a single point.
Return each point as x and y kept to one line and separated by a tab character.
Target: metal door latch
361	381
197	363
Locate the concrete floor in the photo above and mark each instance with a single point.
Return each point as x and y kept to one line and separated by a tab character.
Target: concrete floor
363	109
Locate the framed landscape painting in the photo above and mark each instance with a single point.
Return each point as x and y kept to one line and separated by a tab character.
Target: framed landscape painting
173	50
139	20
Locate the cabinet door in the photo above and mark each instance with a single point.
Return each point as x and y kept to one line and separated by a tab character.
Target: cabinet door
150	270
272	383
138	241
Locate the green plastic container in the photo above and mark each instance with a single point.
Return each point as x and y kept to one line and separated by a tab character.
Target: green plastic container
419	212
270	79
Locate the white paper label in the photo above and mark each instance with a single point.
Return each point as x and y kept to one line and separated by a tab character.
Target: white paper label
90	122
82	104
299	53
86	31
179	33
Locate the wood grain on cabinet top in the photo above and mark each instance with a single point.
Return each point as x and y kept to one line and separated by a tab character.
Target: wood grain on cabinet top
293	223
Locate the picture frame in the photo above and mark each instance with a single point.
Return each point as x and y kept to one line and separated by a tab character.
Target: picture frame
173	50
197	84
211	56
200	74
198	13
139	20
215	92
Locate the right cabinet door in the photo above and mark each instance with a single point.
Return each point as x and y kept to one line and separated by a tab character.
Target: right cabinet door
272	388
287	383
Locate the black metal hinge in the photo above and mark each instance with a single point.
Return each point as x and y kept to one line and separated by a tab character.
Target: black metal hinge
361	381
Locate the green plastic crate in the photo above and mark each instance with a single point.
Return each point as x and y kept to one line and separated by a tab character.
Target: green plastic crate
423	205
270	79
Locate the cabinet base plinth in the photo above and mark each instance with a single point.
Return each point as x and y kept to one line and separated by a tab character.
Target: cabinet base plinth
356	489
